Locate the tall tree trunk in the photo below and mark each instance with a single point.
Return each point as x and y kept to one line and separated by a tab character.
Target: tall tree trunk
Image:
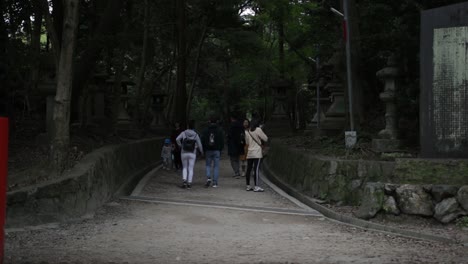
57	16
281	46
117	89
36	44
195	71
181	92
51	30
61	117
141	73
358	80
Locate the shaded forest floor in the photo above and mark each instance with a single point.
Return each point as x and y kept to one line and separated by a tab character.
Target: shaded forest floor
28	161
335	147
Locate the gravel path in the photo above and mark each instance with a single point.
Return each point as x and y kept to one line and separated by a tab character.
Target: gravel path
126	231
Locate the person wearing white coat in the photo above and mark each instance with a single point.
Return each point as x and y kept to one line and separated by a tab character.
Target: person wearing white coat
254	137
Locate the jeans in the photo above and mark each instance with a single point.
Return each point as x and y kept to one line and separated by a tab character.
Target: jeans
212	156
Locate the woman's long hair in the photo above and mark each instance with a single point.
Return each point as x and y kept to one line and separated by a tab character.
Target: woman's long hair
254	124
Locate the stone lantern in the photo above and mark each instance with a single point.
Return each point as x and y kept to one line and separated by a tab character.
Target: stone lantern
388	137
157	108
335	117
323	101
97	90
47	86
124	121
279	122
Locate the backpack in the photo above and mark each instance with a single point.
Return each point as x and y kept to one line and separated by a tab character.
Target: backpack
188	144
211	139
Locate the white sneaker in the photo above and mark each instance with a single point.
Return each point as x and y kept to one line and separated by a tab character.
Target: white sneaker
215	186
249	188
258	189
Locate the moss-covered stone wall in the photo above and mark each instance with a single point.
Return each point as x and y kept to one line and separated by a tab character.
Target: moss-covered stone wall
335	179
91	183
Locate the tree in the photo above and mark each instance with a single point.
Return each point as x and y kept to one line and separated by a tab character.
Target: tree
61	117
180	112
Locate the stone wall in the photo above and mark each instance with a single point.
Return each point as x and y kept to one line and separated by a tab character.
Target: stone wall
327	178
443	202
424	187
92	182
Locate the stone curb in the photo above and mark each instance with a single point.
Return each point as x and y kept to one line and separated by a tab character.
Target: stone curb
144	180
346	219
135	178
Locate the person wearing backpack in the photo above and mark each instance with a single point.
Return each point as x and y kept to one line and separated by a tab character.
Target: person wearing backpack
236	143
189	142
213	144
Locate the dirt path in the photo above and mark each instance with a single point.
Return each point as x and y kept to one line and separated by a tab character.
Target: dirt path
163	223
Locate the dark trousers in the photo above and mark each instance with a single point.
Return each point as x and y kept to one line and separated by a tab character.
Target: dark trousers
177	159
255	165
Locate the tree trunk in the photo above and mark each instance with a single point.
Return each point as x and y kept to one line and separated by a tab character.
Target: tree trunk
181	92
281	46
195	72
141	73
57	16
36	44
117	89
52	32
61	116
358	80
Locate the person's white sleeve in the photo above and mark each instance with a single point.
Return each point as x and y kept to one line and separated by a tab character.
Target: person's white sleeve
262	135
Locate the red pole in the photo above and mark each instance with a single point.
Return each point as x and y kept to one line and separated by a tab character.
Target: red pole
3	181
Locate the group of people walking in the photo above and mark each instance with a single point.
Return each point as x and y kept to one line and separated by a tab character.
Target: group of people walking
244	142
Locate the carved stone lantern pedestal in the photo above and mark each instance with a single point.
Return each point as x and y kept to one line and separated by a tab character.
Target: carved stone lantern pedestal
387	140
279	122
158	125
48	89
335	116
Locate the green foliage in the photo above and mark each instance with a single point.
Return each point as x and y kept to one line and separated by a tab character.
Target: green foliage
201	107
462	222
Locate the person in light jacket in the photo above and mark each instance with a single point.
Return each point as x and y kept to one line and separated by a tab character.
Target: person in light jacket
253	138
189	156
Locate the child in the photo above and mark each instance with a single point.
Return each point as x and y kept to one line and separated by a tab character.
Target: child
166	154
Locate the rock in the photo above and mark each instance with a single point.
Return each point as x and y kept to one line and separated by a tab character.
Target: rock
413	200
355	185
462	197
372	201
390	188
441	192
448	210
390	206
427	187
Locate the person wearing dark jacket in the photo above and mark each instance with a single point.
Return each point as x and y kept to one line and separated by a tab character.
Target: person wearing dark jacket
213	144
235	144
177	152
